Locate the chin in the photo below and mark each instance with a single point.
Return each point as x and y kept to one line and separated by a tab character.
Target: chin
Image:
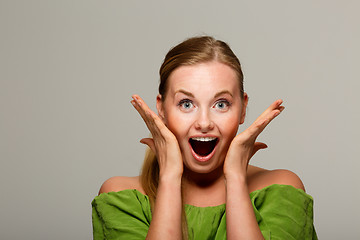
192	165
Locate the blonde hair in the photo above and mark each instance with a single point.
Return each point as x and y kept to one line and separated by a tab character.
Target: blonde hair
192	51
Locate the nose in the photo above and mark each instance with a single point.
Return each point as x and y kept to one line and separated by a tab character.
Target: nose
204	122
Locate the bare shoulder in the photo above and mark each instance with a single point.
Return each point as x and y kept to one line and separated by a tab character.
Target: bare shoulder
119	183
259	178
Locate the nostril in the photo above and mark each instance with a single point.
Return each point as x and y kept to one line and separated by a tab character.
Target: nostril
204	125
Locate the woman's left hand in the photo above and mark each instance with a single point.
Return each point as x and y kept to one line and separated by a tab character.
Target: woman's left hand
243	146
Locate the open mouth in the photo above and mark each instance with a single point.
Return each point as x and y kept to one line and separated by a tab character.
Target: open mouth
203	146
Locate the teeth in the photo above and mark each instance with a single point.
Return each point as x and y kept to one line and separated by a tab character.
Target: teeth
204	139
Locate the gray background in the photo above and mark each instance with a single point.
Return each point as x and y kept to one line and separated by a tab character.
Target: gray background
68	69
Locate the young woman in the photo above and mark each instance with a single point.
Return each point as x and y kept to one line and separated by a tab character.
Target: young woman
196	181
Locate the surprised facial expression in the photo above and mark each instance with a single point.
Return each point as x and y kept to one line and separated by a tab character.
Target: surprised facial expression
203	109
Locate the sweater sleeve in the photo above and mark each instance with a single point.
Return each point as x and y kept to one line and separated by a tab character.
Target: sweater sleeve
284	212
121	215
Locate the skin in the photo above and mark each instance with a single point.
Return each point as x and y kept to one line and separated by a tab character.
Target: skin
189	110
215	110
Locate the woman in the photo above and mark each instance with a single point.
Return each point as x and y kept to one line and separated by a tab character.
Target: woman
198	164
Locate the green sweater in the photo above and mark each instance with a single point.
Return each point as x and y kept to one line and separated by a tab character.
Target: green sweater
282	212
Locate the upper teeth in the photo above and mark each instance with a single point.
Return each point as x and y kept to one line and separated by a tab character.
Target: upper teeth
204	139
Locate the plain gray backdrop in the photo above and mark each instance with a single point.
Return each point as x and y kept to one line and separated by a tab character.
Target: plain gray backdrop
68	69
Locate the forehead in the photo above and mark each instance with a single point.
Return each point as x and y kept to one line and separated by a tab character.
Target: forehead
204	78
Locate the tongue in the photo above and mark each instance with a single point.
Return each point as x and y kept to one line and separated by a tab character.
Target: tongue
203	148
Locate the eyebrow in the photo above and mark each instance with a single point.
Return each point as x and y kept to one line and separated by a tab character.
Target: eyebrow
192	95
185	92
223	92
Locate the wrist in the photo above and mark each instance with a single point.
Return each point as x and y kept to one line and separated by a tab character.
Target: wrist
235	180
235	177
171	179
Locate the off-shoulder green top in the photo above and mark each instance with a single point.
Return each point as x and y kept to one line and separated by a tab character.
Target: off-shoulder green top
282	212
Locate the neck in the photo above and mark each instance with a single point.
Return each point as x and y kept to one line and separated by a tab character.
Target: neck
202	180
203	189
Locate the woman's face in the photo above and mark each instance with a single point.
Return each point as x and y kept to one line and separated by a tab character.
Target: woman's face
203	109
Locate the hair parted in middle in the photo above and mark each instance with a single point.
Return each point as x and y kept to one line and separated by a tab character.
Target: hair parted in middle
195	50
198	50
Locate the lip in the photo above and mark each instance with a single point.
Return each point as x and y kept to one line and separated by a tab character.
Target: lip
201	158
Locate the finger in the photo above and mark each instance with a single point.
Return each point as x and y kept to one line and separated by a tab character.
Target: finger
265	118
144	109
274	106
150	143
258	146
141	106
153	122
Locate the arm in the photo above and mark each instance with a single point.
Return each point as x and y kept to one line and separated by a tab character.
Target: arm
240	217
166	219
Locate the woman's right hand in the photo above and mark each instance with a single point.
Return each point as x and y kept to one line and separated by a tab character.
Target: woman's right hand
166	217
163	142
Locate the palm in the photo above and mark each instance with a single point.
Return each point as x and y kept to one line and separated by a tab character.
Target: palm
243	146
163	142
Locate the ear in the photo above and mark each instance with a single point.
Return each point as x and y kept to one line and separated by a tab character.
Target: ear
160	107
243	110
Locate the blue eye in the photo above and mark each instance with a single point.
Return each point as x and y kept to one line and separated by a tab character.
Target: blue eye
186	104
222	104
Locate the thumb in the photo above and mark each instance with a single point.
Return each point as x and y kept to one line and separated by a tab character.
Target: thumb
257	147
150	143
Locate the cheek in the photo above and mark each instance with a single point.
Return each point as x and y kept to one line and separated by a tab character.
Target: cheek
229	126
177	124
